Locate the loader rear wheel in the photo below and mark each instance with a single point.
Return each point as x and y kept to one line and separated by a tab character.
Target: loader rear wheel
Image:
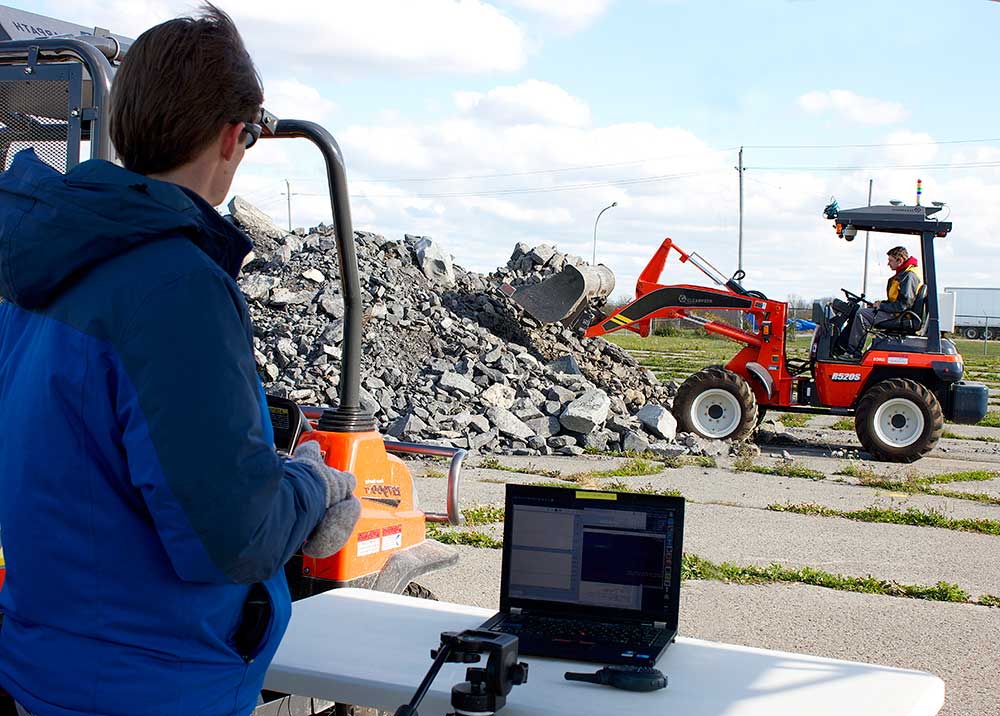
717	404
899	420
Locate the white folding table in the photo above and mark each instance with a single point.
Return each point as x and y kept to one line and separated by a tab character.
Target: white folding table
372	649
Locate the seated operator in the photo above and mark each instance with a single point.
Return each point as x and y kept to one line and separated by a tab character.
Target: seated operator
901	290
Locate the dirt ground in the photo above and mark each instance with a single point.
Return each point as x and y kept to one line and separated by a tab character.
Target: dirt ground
730	518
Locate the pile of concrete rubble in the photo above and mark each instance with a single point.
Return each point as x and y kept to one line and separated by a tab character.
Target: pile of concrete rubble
447	357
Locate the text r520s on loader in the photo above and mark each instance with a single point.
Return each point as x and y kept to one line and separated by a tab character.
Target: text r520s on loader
900	391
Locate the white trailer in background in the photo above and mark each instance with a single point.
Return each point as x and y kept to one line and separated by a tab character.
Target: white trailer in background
977	312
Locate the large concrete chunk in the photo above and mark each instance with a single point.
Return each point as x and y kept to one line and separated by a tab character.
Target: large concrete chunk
434	261
254	221
456	383
586	412
509	424
658	420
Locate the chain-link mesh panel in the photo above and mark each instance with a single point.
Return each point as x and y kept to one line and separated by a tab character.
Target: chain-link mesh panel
35	113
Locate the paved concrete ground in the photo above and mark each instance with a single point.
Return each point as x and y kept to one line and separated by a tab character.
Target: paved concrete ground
728	520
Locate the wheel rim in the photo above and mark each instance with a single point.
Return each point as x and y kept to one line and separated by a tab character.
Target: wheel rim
971	333
716	413
899	422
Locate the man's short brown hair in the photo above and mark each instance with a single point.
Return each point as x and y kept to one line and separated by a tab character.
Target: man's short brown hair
180	82
898	252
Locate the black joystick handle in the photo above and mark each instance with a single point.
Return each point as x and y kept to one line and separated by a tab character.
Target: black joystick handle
629	678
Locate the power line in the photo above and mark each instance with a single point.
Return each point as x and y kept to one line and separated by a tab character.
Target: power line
546	171
851	167
537	190
863	146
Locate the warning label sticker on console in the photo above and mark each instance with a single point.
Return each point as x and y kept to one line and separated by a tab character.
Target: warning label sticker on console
368	542
392	537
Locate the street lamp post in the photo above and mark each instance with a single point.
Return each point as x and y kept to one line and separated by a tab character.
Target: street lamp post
609	206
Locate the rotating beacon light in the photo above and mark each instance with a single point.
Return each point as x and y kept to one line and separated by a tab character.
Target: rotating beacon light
920	189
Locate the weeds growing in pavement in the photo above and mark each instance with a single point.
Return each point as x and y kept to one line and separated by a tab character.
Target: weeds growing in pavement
647	489
694	567
491	463
795	420
469	538
784	469
843	424
635	467
483	514
676	461
979	438
989	600
992	420
911	516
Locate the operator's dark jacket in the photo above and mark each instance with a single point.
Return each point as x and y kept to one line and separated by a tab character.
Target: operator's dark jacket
140	493
902	288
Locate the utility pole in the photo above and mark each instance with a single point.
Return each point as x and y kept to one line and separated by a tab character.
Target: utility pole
288	195
864	284
739	263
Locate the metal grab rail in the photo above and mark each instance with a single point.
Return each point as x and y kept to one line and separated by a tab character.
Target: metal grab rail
457	455
453	515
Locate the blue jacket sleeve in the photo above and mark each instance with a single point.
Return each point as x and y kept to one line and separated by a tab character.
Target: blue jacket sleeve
198	439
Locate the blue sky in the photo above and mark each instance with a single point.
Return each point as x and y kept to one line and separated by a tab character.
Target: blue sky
560	108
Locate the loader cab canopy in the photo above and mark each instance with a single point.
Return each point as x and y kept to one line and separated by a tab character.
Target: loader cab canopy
901	219
55	87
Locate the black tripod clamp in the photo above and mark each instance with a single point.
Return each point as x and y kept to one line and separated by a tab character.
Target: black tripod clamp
485	689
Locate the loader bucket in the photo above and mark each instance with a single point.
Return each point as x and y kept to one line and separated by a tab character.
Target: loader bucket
563	296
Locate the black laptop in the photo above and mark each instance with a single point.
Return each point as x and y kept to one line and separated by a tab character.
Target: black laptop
590	576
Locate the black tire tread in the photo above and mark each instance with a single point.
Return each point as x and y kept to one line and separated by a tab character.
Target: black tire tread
716	377
891	388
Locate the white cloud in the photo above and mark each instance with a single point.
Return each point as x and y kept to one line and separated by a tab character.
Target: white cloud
292	98
854	107
569	16
454	36
911	147
531	102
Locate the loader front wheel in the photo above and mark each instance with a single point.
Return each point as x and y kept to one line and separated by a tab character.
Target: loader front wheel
717	404
899	420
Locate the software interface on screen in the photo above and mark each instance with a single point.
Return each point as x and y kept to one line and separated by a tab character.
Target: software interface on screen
618	557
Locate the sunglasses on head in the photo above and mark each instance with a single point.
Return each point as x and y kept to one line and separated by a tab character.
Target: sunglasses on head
251	133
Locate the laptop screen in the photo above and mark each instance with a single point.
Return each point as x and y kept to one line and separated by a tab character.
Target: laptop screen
586	552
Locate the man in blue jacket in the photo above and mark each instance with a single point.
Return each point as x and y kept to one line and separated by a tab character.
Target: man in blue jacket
146	515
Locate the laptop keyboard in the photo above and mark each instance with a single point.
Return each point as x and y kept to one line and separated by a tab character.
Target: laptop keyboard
575	631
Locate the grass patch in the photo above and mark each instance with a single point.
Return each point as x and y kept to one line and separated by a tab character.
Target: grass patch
795	420
552	483
913	483
694	567
912	516
990	600
491	463
980	438
843	424
784	469
992	420
647	489
676	461
859	470
433	473
967	476
468	538
635	467
483	514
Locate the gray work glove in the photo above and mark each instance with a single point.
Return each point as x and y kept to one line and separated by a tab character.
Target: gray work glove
342	508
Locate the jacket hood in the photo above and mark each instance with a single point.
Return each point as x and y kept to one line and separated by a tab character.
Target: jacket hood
912	261
54	227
